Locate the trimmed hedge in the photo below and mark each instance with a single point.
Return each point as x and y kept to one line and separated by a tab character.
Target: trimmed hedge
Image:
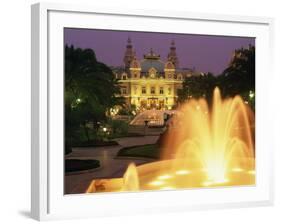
72	165
95	143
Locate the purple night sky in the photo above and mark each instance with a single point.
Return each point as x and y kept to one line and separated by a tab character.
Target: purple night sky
202	52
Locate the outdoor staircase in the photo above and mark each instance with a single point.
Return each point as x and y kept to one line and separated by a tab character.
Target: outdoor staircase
142	130
136	129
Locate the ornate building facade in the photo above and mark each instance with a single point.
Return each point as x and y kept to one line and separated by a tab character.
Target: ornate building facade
151	83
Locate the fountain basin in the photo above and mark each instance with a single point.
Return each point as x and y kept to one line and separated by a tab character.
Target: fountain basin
177	174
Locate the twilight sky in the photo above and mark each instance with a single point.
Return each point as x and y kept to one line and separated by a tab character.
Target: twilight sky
204	53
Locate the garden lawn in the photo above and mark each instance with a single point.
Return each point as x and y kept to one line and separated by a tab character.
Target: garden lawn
146	151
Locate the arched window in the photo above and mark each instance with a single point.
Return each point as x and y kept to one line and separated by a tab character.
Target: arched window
135	75
161	91
152	72
143	90
124	76
152	90
124	90
169	90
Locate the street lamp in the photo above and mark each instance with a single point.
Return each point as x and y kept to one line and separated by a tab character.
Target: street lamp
104	129
251	94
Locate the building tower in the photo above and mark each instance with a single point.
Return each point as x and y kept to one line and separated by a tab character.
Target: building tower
172	56
129	55
135	68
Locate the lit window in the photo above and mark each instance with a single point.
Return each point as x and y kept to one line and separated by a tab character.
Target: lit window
124	90
152	91
169	91
143	90
152	72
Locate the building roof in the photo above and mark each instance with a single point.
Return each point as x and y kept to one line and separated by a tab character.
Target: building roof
146	64
152	60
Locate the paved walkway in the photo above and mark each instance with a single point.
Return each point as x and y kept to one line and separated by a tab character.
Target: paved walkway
110	166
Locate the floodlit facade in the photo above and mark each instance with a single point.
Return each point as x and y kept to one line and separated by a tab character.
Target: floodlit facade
151	83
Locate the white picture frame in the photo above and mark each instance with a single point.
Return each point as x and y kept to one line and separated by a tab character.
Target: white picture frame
48	200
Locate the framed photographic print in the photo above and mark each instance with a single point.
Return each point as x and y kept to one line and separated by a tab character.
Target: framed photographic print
135	118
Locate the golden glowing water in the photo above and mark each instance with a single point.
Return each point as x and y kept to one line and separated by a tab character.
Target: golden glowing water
203	147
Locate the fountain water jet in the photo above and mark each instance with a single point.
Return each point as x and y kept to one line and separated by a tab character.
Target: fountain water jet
218	139
130	178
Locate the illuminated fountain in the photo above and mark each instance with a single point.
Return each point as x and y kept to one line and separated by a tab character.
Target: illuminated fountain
203	148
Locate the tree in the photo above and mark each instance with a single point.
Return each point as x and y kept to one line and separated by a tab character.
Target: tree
239	77
197	87
90	91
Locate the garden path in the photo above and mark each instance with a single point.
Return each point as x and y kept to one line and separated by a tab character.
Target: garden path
110	165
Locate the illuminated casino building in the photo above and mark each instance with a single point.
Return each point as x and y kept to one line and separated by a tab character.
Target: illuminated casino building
151	82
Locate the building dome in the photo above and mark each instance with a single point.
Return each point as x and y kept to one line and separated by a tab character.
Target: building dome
147	64
152	60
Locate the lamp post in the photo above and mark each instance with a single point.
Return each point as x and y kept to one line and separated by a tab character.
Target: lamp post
104	129
145	126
